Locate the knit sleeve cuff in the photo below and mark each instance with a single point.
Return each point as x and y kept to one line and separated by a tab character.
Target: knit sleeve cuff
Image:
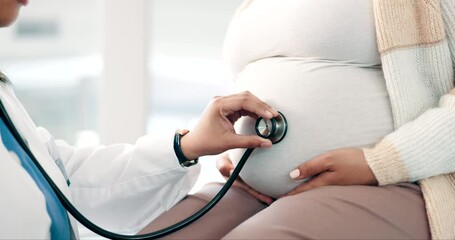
386	164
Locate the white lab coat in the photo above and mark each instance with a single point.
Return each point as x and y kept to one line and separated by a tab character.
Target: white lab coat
119	187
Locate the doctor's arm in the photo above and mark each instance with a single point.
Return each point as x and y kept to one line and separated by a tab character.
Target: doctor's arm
123	187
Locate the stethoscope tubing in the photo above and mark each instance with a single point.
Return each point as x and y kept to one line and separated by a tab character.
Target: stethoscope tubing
107	234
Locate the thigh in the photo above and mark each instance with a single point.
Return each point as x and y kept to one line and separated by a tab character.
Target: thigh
342	212
235	207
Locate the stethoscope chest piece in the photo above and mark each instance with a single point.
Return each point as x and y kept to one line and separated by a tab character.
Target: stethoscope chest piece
274	129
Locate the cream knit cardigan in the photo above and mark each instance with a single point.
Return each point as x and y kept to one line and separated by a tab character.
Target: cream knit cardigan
416	39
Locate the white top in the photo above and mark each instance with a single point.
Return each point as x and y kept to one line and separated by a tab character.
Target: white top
317	62
119	187
323	29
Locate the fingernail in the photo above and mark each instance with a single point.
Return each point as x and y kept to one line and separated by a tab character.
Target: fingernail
266	144
295	173
230	172
268	114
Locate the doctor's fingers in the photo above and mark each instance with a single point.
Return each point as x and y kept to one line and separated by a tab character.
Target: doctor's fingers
244	101
247	141
236	115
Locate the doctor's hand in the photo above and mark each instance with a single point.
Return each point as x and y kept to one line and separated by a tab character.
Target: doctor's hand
225	166
214	133
345	166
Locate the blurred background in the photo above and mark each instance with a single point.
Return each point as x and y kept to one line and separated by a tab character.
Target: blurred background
106	71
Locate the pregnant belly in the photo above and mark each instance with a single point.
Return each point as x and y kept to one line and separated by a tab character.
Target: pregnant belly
328	105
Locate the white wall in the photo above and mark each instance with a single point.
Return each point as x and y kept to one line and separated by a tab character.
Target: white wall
79	23
124	87
183	42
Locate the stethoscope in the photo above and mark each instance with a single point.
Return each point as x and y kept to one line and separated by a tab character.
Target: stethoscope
274	129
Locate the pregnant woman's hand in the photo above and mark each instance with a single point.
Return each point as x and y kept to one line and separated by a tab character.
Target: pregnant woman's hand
225	166
345	166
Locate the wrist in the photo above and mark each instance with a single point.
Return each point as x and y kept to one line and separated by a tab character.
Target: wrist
184	160
187	146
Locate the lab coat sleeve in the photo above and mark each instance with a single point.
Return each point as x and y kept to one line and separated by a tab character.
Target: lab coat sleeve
123	187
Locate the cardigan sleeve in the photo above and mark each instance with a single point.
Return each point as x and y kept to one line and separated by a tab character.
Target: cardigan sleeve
419	149
424	147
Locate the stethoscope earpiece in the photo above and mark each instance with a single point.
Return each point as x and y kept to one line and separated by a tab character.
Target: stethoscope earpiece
274	129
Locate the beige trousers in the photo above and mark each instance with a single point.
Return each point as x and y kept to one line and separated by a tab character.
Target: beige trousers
333	212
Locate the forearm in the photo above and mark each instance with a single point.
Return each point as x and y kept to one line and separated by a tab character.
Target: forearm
139	181
419	149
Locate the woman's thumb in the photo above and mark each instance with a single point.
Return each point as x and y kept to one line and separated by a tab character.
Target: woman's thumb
224	165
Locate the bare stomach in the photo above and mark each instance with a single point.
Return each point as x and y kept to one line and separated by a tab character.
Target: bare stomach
328	105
